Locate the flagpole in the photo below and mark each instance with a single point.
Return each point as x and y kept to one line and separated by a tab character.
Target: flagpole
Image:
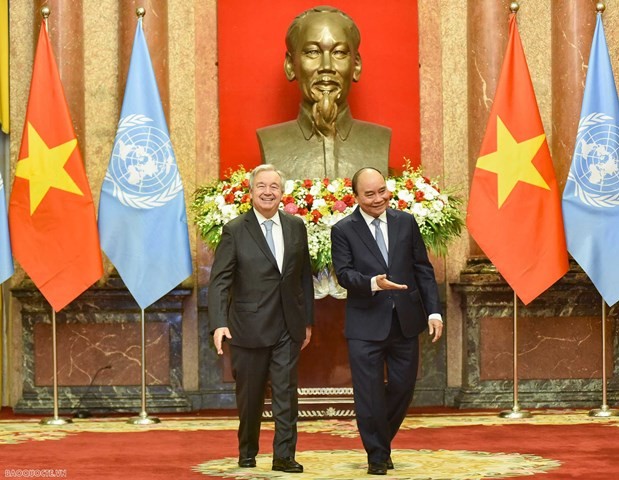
45	12
55	420
143	418
515	412
604	410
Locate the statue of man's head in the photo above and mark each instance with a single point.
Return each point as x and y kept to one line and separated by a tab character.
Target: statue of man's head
323	56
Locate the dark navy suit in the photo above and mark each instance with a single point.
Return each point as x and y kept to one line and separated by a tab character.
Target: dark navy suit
382	327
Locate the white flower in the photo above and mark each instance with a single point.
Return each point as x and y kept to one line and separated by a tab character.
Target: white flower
318	202
406	195
228	212
391	185
220	201
289	187
419	210
332	187
315	190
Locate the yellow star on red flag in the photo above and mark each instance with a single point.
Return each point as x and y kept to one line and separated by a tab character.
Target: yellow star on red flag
514	209
513	161
44	168
52	218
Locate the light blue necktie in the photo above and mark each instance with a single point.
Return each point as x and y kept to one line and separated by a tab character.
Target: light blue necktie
380	240
268	226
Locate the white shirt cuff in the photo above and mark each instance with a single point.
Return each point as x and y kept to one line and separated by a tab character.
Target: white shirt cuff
435	316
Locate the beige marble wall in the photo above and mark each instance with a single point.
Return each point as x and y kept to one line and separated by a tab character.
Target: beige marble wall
443	103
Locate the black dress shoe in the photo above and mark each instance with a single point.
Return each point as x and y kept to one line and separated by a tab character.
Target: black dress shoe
377	468
288	465
249	462
389	463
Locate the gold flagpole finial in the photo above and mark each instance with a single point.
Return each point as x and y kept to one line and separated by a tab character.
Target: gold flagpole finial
514	7
600	7
140	12
45	11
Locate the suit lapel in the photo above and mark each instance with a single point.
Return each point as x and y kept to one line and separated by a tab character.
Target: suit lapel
393	229
288	235
362	229
255	231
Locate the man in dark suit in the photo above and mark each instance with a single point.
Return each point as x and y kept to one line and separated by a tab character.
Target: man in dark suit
380	258
261	299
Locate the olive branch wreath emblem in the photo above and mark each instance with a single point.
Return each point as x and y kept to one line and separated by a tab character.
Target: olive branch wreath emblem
600	201
142	201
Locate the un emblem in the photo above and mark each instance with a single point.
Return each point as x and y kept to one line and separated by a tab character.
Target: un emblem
595	167
143	169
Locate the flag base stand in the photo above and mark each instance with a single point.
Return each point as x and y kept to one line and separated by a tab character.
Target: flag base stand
515	413
604	411
143	419
55	421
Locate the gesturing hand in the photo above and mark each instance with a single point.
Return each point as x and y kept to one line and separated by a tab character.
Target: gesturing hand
385	284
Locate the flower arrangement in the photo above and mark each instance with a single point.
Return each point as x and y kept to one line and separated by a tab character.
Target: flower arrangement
323	202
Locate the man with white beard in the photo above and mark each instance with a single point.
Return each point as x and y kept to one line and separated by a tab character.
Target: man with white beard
324	141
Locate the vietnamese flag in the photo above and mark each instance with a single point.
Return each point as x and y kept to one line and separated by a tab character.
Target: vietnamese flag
514	210
51	213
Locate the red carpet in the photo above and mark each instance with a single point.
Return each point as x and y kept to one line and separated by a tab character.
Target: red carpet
552	445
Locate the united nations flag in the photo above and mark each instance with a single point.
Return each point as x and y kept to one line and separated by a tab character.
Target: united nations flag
591	195
142	215
6	259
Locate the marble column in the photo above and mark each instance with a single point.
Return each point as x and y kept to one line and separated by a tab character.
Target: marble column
487	39
66	33
572	30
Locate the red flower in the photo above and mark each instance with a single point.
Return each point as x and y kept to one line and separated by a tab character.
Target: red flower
229	198
402	204
308	183
309	199
245	183
348	199
427	180
287	199
348	182
302	211
329	197
325	182
419	196
316	216
245	198
410	184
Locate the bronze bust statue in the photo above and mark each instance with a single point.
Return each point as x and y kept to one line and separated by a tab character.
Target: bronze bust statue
325	140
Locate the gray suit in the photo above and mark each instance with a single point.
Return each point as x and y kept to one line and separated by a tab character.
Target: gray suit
267	313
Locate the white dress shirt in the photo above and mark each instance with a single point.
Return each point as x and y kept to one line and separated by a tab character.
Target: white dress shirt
278	235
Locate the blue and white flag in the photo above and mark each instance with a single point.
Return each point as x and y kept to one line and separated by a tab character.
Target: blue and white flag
142	215
6	259
591	195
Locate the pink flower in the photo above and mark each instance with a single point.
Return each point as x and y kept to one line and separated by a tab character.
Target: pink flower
339	206
291	208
